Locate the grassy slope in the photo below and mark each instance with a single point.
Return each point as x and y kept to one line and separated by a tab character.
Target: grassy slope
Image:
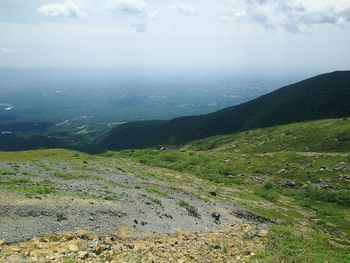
312	219
315	136
250	168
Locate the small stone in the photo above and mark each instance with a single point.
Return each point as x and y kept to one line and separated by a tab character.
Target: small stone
73	248
216	216
100	249
83	254
2	242
168	216
263	233
93	246
288	184
131	246
117	247
86	235
216	246
61	217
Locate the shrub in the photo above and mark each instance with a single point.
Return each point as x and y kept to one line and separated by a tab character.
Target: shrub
341	197
269	192
168	158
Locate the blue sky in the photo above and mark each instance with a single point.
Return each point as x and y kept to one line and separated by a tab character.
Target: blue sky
269	34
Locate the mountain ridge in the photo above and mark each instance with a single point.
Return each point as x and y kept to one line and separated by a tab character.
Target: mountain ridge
320	97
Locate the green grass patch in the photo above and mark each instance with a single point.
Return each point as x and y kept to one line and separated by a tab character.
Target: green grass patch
7	172
27	186
340	197
287	244
192	211
14	181
110	197
153	200
269	192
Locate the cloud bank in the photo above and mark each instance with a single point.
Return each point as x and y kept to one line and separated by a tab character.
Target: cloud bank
291	15
68	8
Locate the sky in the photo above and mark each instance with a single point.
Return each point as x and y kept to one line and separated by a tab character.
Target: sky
249	34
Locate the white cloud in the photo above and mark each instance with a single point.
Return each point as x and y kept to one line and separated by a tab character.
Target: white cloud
291	15
132	7
68	8
8	51
185	9
345	14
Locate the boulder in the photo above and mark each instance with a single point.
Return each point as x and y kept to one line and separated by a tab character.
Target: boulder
288	184
216	216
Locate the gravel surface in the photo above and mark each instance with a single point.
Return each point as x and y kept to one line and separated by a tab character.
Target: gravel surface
145	204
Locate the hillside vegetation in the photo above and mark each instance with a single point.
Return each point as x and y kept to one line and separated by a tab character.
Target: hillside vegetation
331	135
291	180
296	175
320	97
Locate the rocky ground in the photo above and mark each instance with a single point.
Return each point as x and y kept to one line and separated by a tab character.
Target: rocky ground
162	218
234	244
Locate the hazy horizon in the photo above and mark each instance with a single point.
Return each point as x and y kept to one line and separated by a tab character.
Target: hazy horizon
310	36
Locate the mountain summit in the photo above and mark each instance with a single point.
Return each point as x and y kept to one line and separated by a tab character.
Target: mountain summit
320	97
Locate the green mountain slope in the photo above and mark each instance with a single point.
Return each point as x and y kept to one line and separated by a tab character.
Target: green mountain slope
320	97
330	135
